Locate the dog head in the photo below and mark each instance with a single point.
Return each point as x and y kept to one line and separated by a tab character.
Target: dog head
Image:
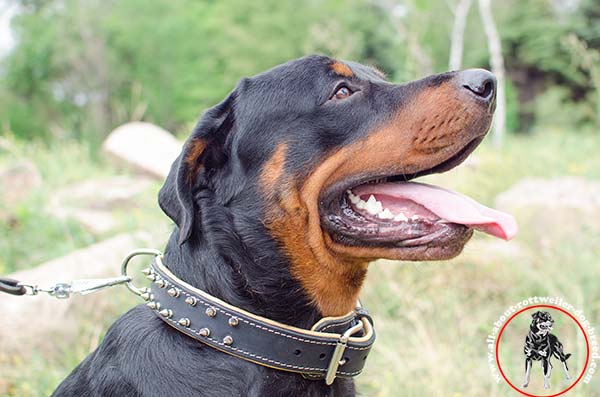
542	323
311	152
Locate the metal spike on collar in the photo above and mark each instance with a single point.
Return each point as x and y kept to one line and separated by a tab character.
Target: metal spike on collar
151	277
190	300
228	340
184	322
160	283
146	296
211	311
173	292
153	305
233	321
204	332
168	313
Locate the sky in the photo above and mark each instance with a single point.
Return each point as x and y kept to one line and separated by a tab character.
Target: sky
6	38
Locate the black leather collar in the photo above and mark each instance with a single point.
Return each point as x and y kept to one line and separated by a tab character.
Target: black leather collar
334	346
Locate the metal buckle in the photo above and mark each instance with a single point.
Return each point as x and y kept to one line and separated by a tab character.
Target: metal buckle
336	359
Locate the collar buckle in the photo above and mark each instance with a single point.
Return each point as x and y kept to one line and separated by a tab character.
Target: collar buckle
336	358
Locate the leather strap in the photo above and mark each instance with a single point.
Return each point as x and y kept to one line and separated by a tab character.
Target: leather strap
11	286
323	352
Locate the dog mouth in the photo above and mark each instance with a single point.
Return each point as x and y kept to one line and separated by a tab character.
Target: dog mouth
394	212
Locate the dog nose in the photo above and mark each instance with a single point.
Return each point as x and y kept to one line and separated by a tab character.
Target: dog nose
480	82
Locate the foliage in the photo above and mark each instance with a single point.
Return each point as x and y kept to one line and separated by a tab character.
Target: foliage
82	67
588	60
554	109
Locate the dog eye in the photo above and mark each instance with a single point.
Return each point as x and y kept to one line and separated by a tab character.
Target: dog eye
342	92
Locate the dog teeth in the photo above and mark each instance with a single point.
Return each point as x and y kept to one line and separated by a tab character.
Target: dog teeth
400	217
373	206
385	214
353	198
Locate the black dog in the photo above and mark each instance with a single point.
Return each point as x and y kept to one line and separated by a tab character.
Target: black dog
541	345
266	221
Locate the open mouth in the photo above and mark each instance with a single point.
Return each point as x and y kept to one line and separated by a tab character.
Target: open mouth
394	212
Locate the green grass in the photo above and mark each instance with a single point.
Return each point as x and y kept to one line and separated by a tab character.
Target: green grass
431	318
30	234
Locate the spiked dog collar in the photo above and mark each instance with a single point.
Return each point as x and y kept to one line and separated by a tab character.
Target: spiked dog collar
333	347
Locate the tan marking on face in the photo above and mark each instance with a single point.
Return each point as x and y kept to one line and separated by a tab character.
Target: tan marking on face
331	274
192	159
342	69
273	169
332	286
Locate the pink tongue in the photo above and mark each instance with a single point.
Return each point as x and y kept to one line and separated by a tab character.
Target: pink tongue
448	205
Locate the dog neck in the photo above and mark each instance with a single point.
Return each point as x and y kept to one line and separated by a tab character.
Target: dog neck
258	281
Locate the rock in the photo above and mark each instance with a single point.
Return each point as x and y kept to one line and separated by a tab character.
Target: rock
143	146
97	222
553	208
103	194
489	250
91	203
564	192
17	181
31	322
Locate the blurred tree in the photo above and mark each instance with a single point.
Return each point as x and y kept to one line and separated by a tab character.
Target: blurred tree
82	67
588	60
497	63
532	33
460	11
405	17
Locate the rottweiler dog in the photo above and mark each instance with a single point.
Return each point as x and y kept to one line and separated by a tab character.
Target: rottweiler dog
541	345
282	195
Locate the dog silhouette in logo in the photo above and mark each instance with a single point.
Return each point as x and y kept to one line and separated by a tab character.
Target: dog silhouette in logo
541	345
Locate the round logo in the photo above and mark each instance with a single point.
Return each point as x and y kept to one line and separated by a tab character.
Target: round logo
542	350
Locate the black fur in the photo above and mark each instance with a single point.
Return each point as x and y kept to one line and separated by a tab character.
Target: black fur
220	244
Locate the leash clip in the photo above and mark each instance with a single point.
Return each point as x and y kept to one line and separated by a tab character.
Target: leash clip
82	287
336	358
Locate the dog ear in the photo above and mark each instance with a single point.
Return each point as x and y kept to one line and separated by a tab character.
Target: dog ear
201	153
536	315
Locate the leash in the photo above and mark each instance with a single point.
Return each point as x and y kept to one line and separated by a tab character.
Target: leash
64	290
333	347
